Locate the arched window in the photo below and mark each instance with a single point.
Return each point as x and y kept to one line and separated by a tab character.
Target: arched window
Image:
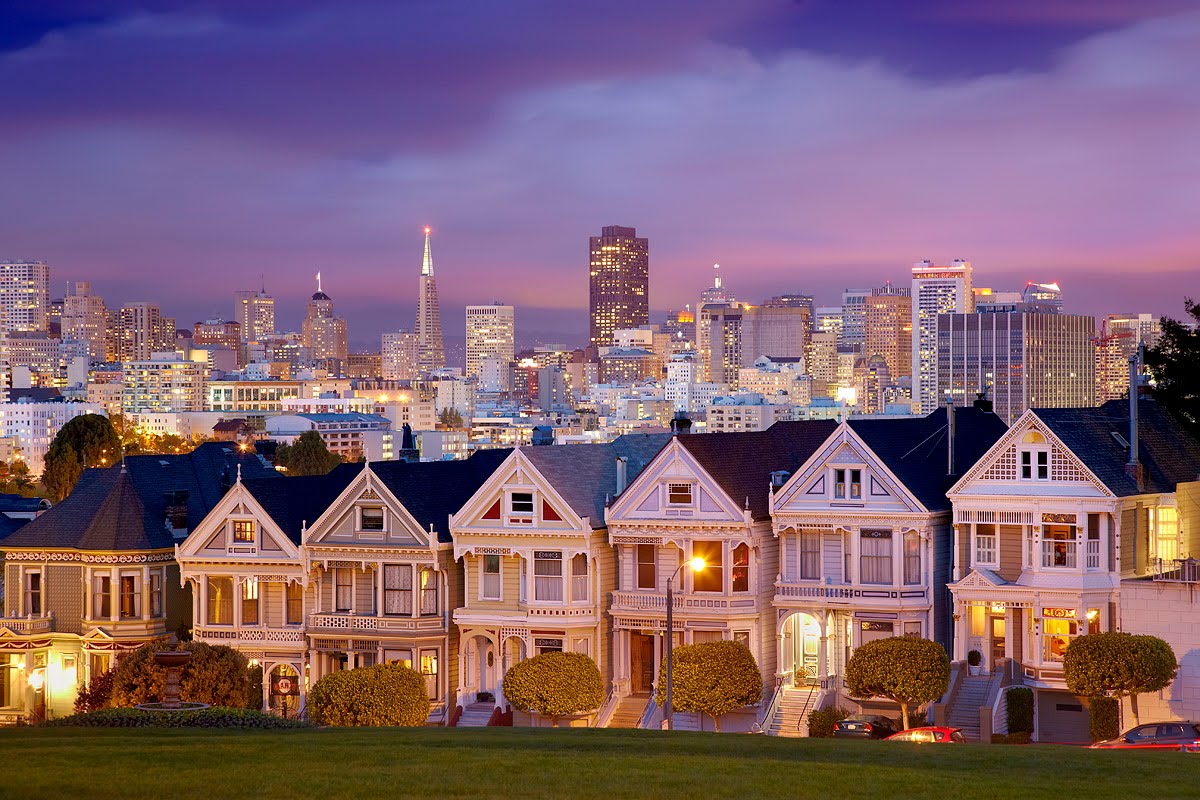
741	568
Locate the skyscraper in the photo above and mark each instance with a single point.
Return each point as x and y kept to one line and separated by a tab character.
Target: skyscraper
935	290
322	333
619	296
716	294
887	330
85	320
490	334
854	315
255	313
24	295
1048	294
142	331
400	356
431	348
1118	339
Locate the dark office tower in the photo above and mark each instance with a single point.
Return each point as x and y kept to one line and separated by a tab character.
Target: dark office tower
619	267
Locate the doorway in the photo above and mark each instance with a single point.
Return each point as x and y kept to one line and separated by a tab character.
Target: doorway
641	662
998	627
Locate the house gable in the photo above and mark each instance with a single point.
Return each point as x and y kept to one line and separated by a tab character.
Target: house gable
517	498
674	487
238	528
366	513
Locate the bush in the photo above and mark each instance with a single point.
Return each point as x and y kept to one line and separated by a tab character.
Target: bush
254	688
821	723
216	675
1020	710
1119	665
974	658
918	719
1105	718
909	671
97	694
205	718
712	678
555	684
1020	737
385	694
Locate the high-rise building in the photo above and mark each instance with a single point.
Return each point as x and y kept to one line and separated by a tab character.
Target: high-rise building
854	317
142	331
1117	340
431	353
24	295
325	335
887	329
1048	294
619	291
775	330
724	332
1021	359
935	290
255	313
85	320
829	319
715	295
168	384
400	356
490	334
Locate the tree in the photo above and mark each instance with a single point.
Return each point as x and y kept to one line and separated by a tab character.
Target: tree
450	418
712	678
88	440
308	456
216	674
906	670
555	684
1119	665
1174	363
20	481
385	694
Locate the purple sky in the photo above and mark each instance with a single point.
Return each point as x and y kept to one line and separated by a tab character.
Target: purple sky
172	151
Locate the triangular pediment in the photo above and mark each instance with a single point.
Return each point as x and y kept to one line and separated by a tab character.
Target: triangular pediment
238	528
981	579
366	513
492	507
674	487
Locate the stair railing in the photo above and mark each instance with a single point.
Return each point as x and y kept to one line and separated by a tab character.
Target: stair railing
764	724
808	704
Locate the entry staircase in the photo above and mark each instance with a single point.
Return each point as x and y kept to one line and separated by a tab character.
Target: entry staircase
972	695
791	714
629	710
476	715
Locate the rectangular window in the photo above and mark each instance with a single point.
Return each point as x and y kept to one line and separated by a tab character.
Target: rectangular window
1043	465
156	594
101	597
243	530
579	578
489	588
130	605
547	646
741	568
742	637
547	576
876	560
371	519
1056	636
810	556
839	483
1026	464
397	590
679	494
429	597
295	603
522	502
1168	534
250	601
985	544
712	577
855	484
343	589
647	566
912	630
220	601
1059	546
429	668
912	558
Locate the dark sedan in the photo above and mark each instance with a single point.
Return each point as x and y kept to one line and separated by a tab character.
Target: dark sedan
1156	736
864	726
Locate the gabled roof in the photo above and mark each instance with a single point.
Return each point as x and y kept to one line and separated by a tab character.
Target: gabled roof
585	475
433	490
123	508
915	448
1168	452
296	501
742	463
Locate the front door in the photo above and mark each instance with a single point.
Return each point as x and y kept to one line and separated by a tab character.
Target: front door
641	662
997	641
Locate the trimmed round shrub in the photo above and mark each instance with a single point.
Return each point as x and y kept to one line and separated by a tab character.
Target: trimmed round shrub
712	678
382	695
1105	718
1020	710
1119	665
233	718
821	723
909	671
216	675
555	685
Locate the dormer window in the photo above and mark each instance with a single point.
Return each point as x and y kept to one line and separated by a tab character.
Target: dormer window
522	503
243	530
371	518
839	483
1035	459
679	494
855	484
851	476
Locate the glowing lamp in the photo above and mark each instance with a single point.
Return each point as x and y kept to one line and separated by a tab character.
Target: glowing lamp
37	680
1092	614
697	564
427	229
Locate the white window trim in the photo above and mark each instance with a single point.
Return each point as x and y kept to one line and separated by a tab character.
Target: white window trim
691	487
1033	450
359	518
25	590
500	579
234	541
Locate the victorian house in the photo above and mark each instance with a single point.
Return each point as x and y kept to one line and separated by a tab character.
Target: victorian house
1052	526
704	496
537	566
96	575
864	538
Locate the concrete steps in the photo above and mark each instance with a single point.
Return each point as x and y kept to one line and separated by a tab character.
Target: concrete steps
476	715
972	694
791	720
629	711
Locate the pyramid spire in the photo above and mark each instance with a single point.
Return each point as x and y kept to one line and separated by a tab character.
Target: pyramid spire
427	259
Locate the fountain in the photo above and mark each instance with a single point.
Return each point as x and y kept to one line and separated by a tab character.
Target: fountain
174	660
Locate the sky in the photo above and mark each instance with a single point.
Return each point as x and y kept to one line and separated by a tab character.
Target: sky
177	151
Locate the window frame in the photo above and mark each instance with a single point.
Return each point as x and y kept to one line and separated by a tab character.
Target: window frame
739	572
709	566
362	519
839	483
986	544
512	503
680	490
547	558
877	560
483	573
129	591
157	609
425	591
806	570
639	564
238	528
289	600
910	555
250	598
102	595
580	579
401	594
338	572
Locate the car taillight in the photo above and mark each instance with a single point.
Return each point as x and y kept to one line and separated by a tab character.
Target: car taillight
867	727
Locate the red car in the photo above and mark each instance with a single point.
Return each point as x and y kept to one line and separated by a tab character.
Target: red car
1157	736
930	735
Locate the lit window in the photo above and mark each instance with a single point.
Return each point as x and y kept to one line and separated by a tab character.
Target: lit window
243	530
547	575
712	577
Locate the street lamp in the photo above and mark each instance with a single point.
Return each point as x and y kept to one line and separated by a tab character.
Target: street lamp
697	564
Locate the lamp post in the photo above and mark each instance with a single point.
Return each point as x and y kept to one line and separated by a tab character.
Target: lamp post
696	564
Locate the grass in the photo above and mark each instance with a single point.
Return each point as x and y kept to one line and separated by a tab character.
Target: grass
528	763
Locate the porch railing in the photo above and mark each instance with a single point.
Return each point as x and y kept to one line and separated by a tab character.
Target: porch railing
848	591
28	625
1177	570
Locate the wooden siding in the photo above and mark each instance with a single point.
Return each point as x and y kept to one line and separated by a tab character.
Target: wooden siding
832	558
1009	541
941	538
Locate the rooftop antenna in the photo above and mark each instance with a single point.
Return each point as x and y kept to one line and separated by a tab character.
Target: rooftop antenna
318	282
262	276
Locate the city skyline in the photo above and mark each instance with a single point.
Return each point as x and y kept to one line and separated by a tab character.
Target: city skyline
1015	156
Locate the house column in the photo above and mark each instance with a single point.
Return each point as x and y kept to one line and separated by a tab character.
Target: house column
146	592
237	601
852	548
955	554
823	650
87	593
379	597
114	595
202	615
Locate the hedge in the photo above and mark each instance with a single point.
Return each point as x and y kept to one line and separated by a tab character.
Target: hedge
382	695
1105	718
235	718
822	723
1020	710
555	684
216	674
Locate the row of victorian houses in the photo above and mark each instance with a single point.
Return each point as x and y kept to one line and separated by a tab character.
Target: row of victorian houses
817	536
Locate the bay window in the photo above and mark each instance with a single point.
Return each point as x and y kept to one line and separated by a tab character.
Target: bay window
712	577
295	603
220	601
912	558
156	594
429	601
429	668
985	544
876	559
397	590
343	589
547	576
250	601
130	597
1058	546
101	596
489	586
33	593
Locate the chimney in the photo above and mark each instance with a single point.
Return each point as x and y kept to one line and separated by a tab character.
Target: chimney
622	474
779	478
1134	468
950	431
982	402
680	424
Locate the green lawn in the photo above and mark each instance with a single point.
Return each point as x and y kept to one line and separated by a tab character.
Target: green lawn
516	762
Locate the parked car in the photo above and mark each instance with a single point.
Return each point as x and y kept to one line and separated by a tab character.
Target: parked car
930	735
1157	736
864	726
